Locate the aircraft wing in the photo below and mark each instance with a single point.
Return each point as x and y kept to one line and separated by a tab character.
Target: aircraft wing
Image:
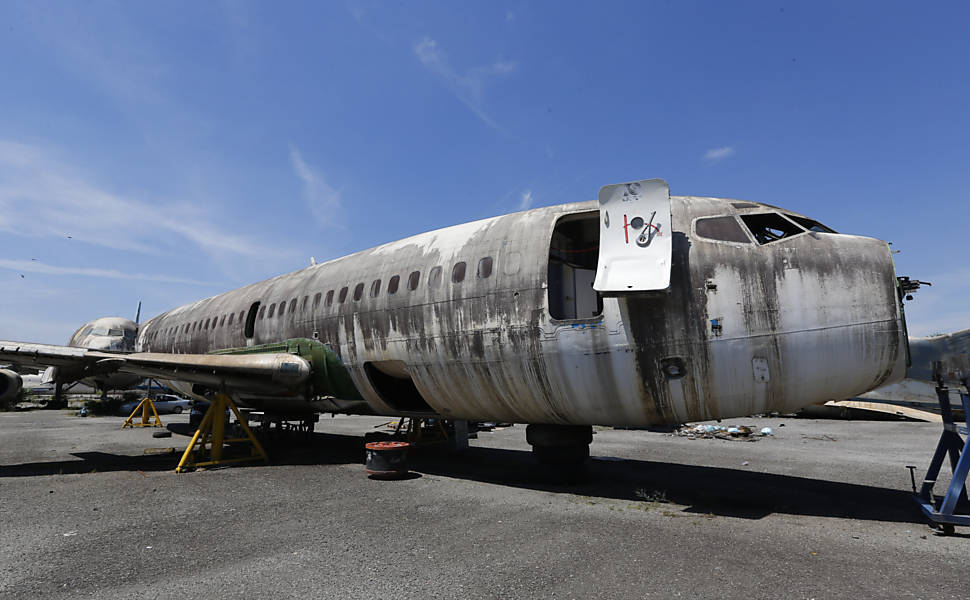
271	373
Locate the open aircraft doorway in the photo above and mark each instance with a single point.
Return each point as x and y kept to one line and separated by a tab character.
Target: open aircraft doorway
573	254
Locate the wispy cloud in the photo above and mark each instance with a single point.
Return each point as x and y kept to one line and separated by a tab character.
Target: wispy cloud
468	87
322	200
526	202
31	266
42	196
718	154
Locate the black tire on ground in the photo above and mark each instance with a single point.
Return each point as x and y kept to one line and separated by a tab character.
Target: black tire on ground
162	434
560	444
558	435
561	455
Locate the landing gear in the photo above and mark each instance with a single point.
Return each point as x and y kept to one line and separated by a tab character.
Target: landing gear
58	401
566	445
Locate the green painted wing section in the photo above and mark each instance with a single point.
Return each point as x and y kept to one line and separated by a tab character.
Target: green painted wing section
329	376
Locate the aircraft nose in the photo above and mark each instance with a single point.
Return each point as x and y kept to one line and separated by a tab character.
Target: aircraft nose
103	344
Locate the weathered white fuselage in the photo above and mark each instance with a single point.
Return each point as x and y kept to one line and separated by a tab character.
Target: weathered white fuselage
744	328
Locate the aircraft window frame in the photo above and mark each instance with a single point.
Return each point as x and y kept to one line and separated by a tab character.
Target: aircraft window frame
358	292
292	306
282	309
242	314
485	267
272	311
316	300
713	235
434	277
414	279
249	330
393	283
222	321
458	272
304	303
329	301
810	224
262	312
375	288
232	316
342	297
206	324
764	233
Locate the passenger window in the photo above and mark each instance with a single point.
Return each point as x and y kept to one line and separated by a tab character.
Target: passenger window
316	299
206	325
770	227
282	308
724	229
485	267
262	312
413	279
358	292
329	297
393	283
303	304
343	294
292	305
458	273
272	310
434	277
810	224
231	316
375	288
222	321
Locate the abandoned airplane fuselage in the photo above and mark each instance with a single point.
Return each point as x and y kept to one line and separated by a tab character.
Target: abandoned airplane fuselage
498	320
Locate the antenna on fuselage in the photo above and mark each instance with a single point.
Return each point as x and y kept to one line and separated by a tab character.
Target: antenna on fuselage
138	313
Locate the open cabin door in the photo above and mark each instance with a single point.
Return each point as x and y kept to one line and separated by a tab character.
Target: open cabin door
635	237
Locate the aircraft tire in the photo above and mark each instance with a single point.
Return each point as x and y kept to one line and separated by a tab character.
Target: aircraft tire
574	454
559	435
560	444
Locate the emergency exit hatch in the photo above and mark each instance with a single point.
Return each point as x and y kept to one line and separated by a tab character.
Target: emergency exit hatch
635	237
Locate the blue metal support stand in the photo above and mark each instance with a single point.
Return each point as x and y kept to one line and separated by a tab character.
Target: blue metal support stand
951	444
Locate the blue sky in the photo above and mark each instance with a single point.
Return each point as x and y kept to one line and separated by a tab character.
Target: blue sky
166	152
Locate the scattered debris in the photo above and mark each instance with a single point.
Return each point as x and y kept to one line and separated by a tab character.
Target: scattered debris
768	430
733	432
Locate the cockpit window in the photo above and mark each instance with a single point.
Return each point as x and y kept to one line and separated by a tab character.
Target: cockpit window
770	227
810	224
725	229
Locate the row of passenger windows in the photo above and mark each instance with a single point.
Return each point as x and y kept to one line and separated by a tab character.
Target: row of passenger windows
281	308
764	227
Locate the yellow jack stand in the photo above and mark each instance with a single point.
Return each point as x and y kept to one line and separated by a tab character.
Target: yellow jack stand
143	406
212	431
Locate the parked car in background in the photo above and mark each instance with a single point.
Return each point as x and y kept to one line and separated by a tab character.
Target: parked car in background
164	403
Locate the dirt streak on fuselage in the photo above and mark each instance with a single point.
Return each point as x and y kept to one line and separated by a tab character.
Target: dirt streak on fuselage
744	328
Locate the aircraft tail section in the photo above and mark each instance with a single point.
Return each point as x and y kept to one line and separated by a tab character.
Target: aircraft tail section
952	350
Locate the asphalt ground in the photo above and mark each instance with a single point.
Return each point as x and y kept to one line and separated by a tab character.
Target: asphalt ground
822	509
